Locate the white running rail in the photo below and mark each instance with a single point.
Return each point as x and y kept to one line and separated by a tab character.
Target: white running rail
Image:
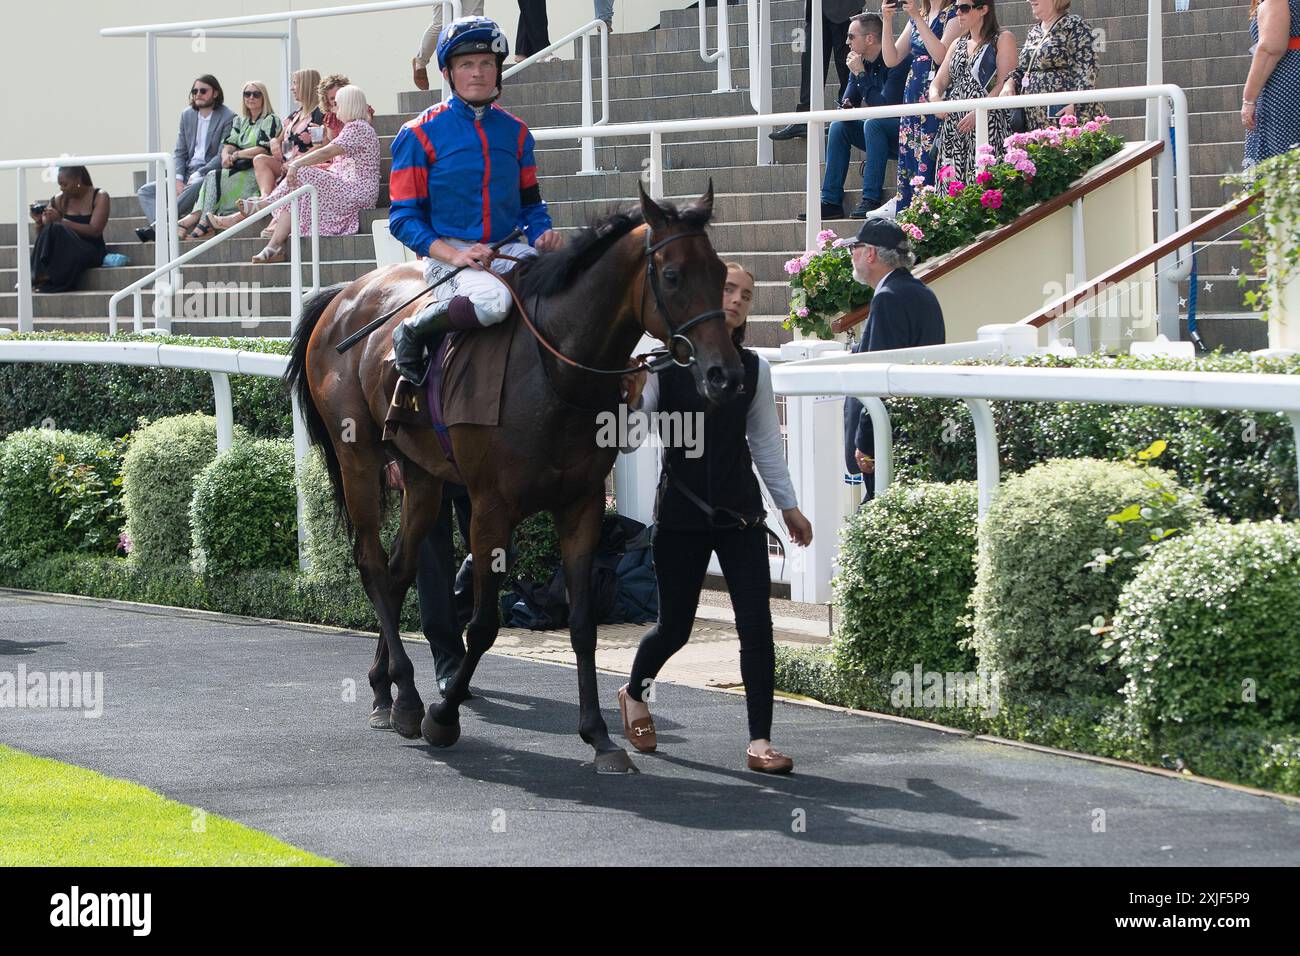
295	262
722	55
166	246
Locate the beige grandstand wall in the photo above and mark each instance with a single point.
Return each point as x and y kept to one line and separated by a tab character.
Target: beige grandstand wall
68	90
1118	224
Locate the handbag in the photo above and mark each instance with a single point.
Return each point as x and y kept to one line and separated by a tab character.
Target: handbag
241	164
1019	119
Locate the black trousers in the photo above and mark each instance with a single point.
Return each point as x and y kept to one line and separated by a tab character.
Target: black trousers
534	31
681	562
835	46
446	592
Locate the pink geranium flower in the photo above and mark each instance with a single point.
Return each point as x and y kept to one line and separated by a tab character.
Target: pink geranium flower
1069	120
984	177
1028	168
918	180
802	312
992	199
825	236
1015	156
946	173
914	231
954	188
794	266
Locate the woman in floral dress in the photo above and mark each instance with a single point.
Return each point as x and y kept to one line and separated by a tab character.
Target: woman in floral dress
931	28
1058	55
349	184
976	66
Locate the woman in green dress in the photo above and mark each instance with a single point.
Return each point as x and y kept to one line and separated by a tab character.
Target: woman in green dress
249	136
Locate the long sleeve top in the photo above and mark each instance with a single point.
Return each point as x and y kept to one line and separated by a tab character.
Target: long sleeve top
762	434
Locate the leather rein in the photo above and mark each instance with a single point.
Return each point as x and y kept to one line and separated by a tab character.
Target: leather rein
655	360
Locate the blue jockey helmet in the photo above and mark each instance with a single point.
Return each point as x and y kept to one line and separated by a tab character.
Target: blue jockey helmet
471	35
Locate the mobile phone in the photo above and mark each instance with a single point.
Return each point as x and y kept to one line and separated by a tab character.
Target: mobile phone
39	207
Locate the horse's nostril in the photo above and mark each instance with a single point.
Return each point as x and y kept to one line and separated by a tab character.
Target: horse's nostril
718	378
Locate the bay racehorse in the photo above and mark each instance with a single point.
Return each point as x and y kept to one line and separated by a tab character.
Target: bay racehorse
649	270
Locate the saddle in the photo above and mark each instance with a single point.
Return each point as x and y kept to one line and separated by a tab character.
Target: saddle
463	385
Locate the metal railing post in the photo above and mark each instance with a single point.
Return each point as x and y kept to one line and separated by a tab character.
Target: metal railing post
151	144
722	56
760	72
588	142
23	252
982	127
1167	288
656	166
1082	316
225	410
882	435
987	466
1155	65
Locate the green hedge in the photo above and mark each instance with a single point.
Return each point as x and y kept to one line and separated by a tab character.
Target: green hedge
110	399
276	594
907	566
159	471
1254	757
1208	632
1036	595
59	491
1244	462
243	514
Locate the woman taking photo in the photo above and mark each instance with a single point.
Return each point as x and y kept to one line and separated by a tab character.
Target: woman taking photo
931	29
712	503
69	232
249	136
1058	55
1270	103
976	66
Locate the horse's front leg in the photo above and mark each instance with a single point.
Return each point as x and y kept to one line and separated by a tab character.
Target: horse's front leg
579	530
489	532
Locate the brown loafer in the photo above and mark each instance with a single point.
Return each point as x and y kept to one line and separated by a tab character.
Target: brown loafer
419	76
640	733
771	762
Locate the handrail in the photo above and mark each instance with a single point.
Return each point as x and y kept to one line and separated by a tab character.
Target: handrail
585	31
759	24
295	258
1088	290
291	54
722	55
1098	176
165	175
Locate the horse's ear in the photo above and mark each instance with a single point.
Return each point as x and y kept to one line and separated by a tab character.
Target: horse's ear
650	211
705	202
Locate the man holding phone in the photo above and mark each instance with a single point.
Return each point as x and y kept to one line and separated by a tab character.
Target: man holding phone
835	47
204	126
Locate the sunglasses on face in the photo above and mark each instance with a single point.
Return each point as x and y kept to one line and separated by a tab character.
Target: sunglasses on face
968	7
252	94
200	91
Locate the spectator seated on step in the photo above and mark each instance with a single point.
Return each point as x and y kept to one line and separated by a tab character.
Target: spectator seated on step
870	83
204	125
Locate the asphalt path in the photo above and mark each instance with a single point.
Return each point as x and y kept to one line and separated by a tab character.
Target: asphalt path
253	720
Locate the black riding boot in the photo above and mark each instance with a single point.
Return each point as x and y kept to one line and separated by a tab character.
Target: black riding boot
423	329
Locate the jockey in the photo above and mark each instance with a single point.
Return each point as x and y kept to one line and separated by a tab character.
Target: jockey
463	177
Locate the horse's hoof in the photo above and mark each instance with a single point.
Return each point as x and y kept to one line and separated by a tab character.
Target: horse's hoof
381	718
439	735
615	761
407	722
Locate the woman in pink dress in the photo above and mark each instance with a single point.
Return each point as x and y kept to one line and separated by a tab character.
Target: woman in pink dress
349	184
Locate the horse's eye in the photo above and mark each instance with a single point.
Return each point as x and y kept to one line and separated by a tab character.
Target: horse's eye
671	276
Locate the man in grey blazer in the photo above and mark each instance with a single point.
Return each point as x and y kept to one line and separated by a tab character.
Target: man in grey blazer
203	127
904	314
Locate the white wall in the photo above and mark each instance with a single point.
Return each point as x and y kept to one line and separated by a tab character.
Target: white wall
67	90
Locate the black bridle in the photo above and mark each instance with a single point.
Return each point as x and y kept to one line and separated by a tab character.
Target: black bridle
676	336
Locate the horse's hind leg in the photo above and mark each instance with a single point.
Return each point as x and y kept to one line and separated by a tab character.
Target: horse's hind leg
489	532
360	466
579	529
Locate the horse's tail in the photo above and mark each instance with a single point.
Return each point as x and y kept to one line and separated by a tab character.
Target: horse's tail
295	377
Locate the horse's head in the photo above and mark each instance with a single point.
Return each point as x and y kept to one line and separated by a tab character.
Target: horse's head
682	304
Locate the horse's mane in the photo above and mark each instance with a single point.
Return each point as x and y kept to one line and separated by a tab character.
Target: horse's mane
553	272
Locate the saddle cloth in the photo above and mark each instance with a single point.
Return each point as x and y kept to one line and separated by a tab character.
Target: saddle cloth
463	387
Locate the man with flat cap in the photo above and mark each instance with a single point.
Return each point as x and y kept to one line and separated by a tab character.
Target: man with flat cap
904	314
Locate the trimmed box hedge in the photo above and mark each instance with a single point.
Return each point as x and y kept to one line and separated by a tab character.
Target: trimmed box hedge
243	514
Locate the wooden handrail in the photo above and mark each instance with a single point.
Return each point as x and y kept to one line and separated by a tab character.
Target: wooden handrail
1087	183
1065	303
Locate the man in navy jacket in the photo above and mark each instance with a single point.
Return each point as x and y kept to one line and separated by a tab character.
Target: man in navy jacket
904	314
871	83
